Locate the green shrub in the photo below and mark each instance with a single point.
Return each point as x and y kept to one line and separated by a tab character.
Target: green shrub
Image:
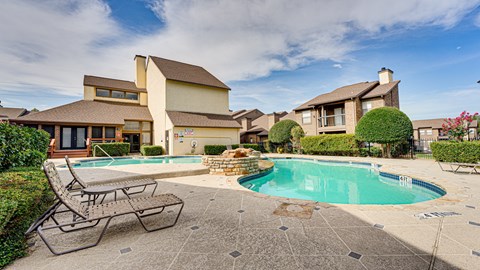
267	145
331	144
374	152
22	146
462	152
24	196
214	149
217	149
113	149
151	150
385	125
280	132
251	145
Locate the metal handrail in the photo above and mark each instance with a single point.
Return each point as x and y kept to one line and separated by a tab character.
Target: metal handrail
95	148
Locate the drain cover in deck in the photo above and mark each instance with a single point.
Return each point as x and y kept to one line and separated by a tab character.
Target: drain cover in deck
436	214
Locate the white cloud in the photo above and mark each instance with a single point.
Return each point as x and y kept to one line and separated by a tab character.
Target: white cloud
337	66
52	43
434	105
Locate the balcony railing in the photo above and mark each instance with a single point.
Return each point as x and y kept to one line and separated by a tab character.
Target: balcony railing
331	120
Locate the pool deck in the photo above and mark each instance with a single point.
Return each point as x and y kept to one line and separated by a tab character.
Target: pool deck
224	226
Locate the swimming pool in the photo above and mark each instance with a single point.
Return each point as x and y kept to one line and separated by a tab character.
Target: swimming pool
105	162
342	183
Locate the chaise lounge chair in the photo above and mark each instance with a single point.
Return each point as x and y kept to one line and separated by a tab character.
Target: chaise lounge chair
455	166
92	215
124	185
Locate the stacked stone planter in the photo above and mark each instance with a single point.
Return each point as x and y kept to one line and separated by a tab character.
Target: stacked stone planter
231	166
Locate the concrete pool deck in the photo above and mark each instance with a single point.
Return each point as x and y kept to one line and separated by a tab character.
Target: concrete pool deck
224	226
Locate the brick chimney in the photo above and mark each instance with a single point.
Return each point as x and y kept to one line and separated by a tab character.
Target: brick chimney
385	75
246	123
140	71
273	118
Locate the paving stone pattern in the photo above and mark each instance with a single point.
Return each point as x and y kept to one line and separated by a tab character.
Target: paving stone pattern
238	230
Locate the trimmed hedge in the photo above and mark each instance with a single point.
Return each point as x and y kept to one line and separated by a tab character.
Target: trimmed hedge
331	144
113	149
151	150
24	196
217	149
451	151
280	132
22	146
384	125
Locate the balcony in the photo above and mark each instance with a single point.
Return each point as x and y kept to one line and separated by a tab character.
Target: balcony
329	123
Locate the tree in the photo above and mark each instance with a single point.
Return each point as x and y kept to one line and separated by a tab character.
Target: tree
281	131
34	110
386	125
457	128
297	133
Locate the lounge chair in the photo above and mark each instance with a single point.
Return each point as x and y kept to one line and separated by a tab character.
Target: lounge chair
124	185
455	166
92	215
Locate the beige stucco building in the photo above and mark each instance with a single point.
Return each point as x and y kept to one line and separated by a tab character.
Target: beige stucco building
179	106
340	110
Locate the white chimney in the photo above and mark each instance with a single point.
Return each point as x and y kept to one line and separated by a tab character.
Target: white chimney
385	75
140	71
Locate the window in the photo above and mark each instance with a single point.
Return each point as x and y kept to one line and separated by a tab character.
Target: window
146	138
306	117
132	125
422	131
131	96
103	93
118	94
146	126
97	132
109	132
50	129
366	106
429	132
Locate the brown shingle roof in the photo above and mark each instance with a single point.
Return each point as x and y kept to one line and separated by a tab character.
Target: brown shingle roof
381	90
435	123
111	83
339	94
190	119
11	113
90	112
178	71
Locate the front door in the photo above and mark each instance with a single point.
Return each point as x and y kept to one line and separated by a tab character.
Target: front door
133	140
73	138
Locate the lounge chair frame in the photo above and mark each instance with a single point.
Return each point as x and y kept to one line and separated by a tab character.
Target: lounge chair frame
92	215
455	167
124	185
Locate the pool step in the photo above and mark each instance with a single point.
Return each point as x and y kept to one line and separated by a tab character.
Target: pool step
70	153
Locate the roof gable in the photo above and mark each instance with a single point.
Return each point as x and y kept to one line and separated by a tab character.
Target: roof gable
339	94
11	113
381	90
182	72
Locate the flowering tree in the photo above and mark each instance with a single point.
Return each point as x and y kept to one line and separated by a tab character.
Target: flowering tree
457	127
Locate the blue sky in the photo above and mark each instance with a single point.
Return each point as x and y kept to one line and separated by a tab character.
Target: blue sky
274	55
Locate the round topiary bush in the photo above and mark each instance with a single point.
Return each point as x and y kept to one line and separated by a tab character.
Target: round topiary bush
384	125
281	131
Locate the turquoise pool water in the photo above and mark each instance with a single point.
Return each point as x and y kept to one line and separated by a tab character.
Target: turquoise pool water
130	161
341	183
